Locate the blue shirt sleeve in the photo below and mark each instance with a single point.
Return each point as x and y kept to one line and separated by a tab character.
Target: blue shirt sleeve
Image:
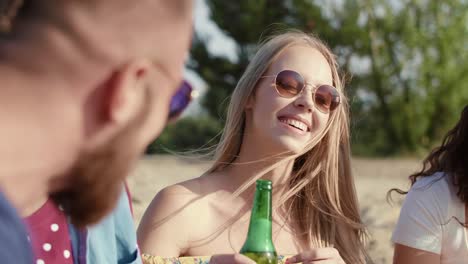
113	240
14	245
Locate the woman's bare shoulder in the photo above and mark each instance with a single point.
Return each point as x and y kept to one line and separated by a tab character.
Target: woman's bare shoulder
183	199
177	197
168	222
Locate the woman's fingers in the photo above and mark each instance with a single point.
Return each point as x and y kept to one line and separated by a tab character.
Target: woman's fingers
317	255
230	259
326	261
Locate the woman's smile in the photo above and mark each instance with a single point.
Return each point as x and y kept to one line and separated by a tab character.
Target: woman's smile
295	124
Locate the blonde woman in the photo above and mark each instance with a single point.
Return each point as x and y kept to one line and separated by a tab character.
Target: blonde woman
288	122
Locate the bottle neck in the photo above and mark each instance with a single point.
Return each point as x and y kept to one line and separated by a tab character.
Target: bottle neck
259	237
262	205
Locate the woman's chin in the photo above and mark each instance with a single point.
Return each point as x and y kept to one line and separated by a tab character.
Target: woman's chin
290	146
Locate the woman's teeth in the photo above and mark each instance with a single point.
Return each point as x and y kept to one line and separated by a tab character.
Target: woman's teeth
295	123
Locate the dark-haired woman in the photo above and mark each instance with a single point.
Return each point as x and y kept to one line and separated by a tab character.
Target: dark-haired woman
432	227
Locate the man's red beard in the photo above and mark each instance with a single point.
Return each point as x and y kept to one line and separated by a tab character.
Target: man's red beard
96	180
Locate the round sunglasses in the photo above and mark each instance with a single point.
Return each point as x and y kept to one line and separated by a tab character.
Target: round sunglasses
289	84
180	100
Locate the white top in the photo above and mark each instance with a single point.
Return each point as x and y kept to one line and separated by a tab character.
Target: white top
427	220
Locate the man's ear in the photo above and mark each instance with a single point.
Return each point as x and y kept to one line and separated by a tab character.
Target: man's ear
125	90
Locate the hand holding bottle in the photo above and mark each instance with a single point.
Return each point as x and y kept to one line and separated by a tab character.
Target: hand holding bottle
317	255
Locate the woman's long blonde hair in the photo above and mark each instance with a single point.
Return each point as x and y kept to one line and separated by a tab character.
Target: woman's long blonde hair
321	197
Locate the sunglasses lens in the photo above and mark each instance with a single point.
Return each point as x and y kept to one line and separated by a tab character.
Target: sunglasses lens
289	83
180	100
326	98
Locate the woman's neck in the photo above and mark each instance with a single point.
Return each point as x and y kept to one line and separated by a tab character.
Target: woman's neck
252	161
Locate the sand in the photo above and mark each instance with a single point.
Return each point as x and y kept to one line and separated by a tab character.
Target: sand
374	177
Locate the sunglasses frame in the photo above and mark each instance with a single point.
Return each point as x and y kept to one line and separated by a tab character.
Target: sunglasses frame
335	97
191	94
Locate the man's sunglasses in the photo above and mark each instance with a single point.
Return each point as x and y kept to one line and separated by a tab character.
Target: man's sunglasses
290	83
180	100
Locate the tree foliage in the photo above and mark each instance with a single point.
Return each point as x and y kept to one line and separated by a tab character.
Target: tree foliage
408	59
188	134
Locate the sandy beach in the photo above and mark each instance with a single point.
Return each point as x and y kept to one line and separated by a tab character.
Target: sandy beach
374	177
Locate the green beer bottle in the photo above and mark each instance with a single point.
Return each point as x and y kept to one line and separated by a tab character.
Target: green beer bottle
259	245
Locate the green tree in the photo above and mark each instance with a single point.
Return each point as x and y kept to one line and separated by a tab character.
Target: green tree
188	134
245	21
418	54
407	57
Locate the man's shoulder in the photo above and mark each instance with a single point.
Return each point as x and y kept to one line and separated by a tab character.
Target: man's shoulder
14	245
113	239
